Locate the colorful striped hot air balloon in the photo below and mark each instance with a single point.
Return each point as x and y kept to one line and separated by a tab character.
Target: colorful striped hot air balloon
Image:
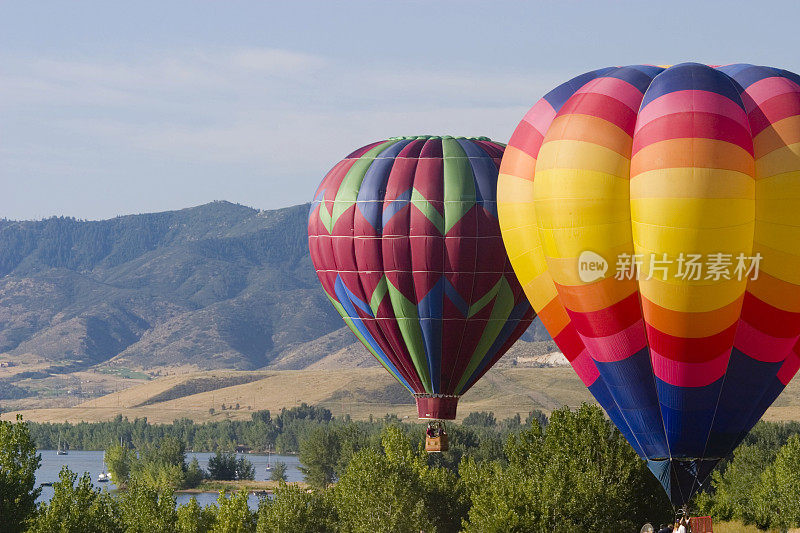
652	216
404	236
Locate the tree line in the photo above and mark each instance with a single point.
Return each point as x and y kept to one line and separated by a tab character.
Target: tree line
570	472
760	483
281	433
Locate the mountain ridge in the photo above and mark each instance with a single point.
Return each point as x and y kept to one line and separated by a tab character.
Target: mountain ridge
216	286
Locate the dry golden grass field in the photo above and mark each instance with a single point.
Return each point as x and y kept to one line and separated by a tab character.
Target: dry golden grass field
360	392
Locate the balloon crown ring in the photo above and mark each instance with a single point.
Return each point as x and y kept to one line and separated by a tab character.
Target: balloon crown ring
425	137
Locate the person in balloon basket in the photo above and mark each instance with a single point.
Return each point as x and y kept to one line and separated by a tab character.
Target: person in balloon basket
431	431
435	429
682	526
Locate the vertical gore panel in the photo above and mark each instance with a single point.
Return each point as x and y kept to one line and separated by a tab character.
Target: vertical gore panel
692	193
583	207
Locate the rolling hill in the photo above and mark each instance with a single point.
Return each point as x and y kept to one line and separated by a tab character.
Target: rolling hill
217	286
359	392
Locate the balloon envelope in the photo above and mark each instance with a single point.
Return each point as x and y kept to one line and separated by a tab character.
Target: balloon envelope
653	216
405	239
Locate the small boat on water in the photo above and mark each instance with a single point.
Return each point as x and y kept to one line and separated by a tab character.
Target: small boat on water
104	477
269	460
60	450
46	484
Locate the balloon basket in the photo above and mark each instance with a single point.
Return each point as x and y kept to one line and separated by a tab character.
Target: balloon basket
437	444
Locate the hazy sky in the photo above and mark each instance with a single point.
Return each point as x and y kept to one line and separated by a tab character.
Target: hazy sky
111	108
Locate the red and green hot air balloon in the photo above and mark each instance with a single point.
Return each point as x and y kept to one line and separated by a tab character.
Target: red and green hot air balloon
405	240
652	215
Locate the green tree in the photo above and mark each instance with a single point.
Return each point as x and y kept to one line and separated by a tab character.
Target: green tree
170	451
777	496
222	466
18	464
484	419
577	475
732	497
319	454
537	417
119	460
78	508
148	509
159	475
294	510
278	472
194	474
397	491
195	519
234	515
375	495
245	469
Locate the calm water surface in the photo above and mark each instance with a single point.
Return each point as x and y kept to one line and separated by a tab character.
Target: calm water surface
92	462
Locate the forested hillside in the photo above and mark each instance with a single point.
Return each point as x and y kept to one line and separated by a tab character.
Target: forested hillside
209	287
214	286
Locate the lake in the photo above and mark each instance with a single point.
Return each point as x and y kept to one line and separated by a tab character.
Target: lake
92	462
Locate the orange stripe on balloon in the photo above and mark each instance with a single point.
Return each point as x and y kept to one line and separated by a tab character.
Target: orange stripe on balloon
693	325
554	317
777	135
689	152
591	129
518	163
595	296
775	292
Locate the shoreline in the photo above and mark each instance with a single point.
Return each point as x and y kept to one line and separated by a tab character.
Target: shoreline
251	486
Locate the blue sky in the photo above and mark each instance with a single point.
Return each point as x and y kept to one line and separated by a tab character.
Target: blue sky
110	108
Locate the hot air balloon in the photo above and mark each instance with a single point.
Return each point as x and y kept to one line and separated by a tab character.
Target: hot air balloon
404	237
652	215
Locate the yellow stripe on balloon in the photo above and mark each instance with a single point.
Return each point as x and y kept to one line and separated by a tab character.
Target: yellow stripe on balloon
698	213
658	239
777	237
779	264
571	242
540	291
515	215
513	189
578	213
570	183
569	154
784	185
692	183
784	211
692	298
565	271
